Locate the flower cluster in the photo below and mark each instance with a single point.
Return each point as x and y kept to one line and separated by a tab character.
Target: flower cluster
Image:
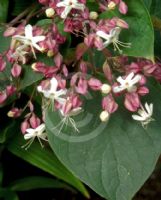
72	76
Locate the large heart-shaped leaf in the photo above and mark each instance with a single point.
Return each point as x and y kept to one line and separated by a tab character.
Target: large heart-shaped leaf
140	33
113	158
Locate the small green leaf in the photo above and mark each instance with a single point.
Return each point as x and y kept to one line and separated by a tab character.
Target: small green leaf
37	182
4	42
3	10
7	133
7	194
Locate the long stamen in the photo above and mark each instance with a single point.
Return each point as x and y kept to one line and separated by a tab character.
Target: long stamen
73	124
28	144
127	45
116	47
40	142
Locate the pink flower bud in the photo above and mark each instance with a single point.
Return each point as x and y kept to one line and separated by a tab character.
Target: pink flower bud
142	80
123	8
132	102
149	69
34	121
61	83
24	126
134	67
58	59
143	91
67	107
16	70
3	97
10	90
109	104
94	84
14	113
2	64
9	32
89	40
83	67
98	43
45	2
82	86
76	102
65	70
74	79
121	23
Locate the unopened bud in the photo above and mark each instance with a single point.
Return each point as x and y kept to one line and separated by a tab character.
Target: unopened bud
104	116
14	113
50	53
105	89
24	126
16	70
93	15
33	66
111	5
50	12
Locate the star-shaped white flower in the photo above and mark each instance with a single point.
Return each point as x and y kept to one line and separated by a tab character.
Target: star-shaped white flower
128	83
144	115
112	38
29	39
69	5
38	133
52	93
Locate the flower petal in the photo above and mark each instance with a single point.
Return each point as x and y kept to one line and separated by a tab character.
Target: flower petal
28	31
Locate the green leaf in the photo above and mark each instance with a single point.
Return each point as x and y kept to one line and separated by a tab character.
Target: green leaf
140	33
3	10
4	42
113	158
36	182
7	194
7	133
46	160
29	77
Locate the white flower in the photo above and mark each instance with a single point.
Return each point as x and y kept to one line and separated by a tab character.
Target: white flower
31	134
112	37
29	39
52	93
69	5
145	115
128	83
